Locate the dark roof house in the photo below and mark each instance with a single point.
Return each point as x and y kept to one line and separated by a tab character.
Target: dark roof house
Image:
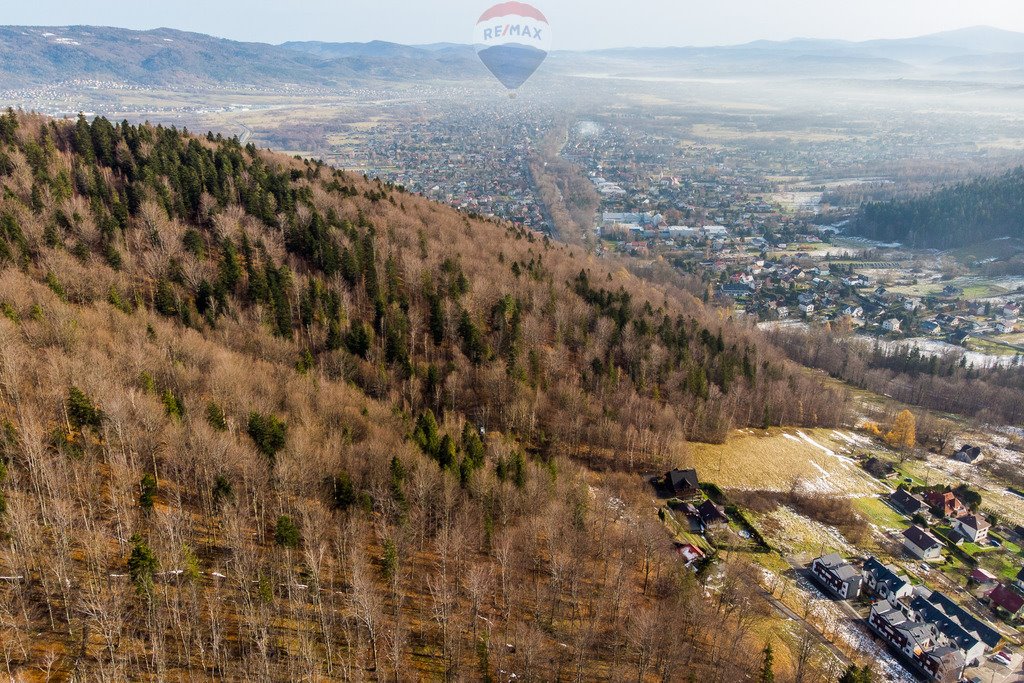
906	501
882	469
684	483
921	544
885	581
837	576
711	514
985	633
968	454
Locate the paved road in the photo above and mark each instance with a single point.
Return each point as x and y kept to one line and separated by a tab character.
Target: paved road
793	616
246	134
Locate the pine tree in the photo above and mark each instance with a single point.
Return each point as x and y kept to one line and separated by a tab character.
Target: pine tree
426	435
767	662
147	497
142	565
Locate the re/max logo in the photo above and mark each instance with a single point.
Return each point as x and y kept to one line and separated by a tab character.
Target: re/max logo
509	30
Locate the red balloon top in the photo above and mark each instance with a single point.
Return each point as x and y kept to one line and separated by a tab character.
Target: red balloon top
517	8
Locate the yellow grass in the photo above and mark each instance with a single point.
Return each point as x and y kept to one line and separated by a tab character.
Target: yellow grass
777	459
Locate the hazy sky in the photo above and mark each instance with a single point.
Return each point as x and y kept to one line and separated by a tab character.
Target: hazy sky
575	24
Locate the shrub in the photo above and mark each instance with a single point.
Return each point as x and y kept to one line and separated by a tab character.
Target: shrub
215	417
343	492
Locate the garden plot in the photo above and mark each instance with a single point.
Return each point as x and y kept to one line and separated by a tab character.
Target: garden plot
818	460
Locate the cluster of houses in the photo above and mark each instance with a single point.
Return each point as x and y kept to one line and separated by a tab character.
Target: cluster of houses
699	512
639	228
811	288
702	513
934	635
965	526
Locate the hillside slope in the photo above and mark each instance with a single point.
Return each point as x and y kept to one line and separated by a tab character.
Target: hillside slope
266	420
964	214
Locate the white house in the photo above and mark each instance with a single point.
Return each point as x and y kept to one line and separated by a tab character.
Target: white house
974	527
1006	326
922	544
891	325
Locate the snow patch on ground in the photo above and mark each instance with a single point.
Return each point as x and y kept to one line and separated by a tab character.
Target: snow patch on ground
796	532
827	451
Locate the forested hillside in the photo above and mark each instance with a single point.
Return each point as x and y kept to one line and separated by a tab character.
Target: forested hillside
262	419
966	213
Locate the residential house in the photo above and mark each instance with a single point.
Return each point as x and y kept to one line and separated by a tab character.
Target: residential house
885	581
920	643
690	553
921	544
906	502
837	576
968	454
1006	599
983	577
882	469
1011	310
960	337
930	327
684	484
807	309
969	633
911	303
891	325
973	527
692	517
1007	326
853	311
711	515
945	503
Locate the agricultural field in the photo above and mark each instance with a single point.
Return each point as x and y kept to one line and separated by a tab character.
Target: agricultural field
818	460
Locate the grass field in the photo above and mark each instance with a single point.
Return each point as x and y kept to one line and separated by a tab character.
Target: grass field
775	460
880	514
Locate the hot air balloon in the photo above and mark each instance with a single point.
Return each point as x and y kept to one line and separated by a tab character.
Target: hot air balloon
512	39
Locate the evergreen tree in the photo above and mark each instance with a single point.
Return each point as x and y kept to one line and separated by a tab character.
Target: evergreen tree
142	565
286	533
148	492
767	663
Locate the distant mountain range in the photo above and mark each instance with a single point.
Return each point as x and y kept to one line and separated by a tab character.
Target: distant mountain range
171	58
